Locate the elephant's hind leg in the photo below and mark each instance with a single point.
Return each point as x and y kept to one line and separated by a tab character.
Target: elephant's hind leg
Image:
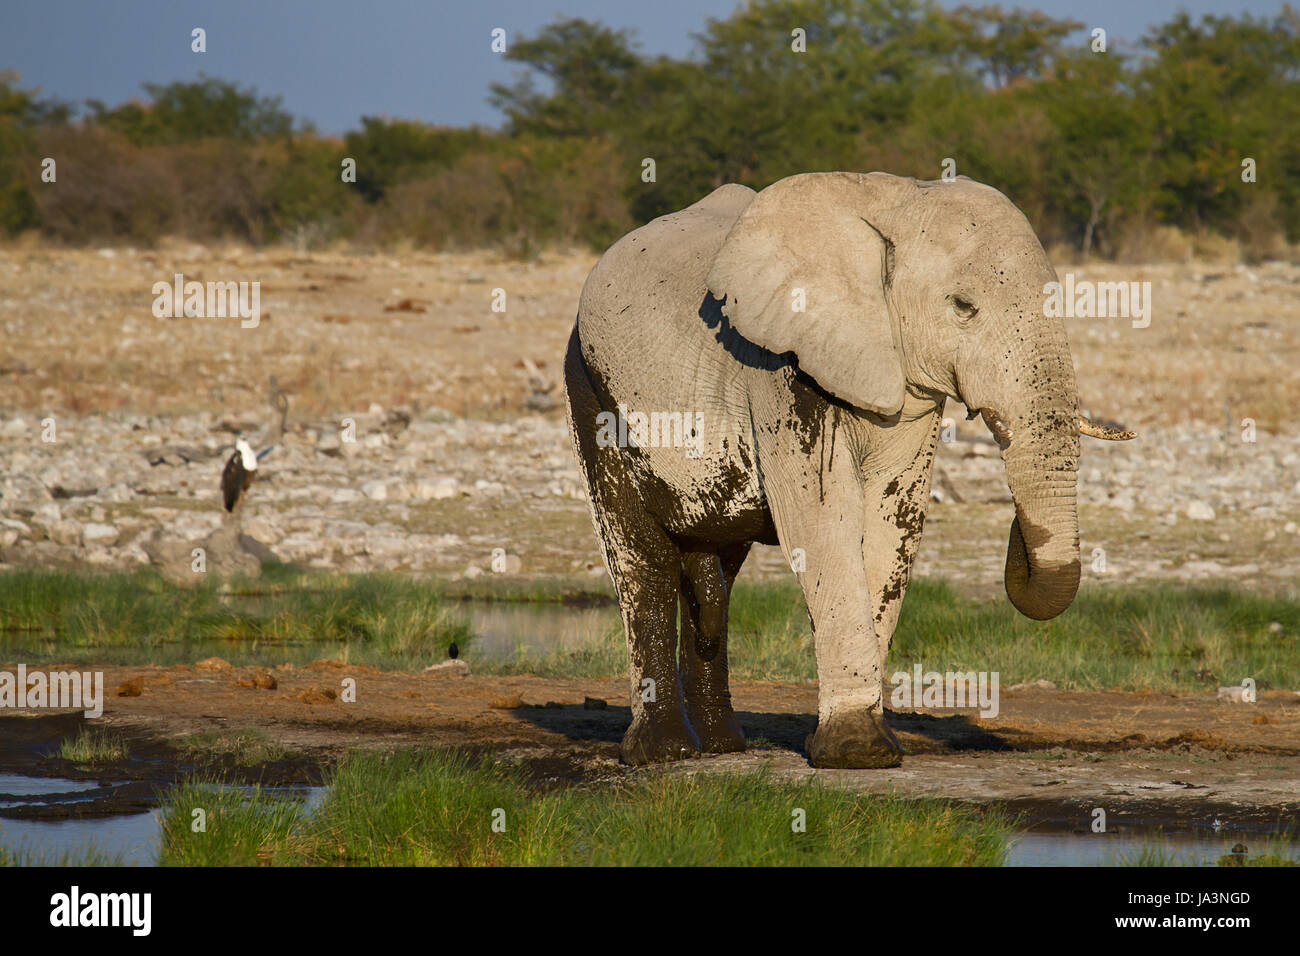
702	652
645	565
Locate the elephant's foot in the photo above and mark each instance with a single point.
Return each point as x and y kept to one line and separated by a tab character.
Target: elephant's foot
658	740
855	740
717	728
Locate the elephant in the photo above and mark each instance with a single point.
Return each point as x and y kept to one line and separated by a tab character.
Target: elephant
771	367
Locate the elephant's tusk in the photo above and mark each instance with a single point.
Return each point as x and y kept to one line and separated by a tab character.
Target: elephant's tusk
1093	430
1001	432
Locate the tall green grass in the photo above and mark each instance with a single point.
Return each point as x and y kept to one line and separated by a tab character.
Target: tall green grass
93	747
1160	637
439	809
1165	638
1157	637
382	619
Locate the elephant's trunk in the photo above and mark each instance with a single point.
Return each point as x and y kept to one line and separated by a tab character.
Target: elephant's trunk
1042	570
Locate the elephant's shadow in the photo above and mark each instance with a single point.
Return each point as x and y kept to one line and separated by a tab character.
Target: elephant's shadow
919	733
738	347
750	355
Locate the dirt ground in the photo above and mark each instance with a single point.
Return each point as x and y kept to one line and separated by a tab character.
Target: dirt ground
1054	755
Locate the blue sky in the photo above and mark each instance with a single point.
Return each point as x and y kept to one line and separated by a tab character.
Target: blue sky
334	61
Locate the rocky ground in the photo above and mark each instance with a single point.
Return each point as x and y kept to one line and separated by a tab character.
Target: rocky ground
425	430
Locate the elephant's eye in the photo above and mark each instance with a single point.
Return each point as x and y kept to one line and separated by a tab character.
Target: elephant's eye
967	310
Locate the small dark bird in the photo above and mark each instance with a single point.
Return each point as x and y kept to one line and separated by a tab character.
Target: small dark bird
453	651
238	474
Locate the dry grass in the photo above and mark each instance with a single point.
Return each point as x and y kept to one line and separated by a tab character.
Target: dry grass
343	330
340	331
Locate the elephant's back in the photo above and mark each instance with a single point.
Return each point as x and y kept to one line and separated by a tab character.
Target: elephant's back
645	292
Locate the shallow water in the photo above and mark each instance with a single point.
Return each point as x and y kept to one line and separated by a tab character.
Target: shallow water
132	839
1114	849
21	786
504	631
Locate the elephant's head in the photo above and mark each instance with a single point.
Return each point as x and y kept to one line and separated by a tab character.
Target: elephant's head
936	287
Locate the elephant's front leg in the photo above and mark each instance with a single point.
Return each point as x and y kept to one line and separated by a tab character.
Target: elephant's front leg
851	729
896	495
819	520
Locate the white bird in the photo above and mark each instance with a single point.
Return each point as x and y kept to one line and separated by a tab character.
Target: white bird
238	474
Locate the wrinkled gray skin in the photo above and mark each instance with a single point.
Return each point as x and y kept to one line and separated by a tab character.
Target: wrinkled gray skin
819	428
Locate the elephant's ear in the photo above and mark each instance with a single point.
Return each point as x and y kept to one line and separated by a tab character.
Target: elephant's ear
809	241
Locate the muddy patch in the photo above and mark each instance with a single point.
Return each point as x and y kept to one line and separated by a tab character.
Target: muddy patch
1176	757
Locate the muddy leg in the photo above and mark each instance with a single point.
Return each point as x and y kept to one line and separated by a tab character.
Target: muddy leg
660	730
702	652
645	566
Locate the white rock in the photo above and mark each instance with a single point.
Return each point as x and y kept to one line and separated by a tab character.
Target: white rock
64	532
117	492
387	547
435	489
375	490
98	534
298	547
1200	511
1234	695
456	668
47	513
399	490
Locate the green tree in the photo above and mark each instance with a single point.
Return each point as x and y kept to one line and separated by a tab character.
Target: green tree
1217	91
184	112
587	66
1010	46
389	151
22	112
1098	160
